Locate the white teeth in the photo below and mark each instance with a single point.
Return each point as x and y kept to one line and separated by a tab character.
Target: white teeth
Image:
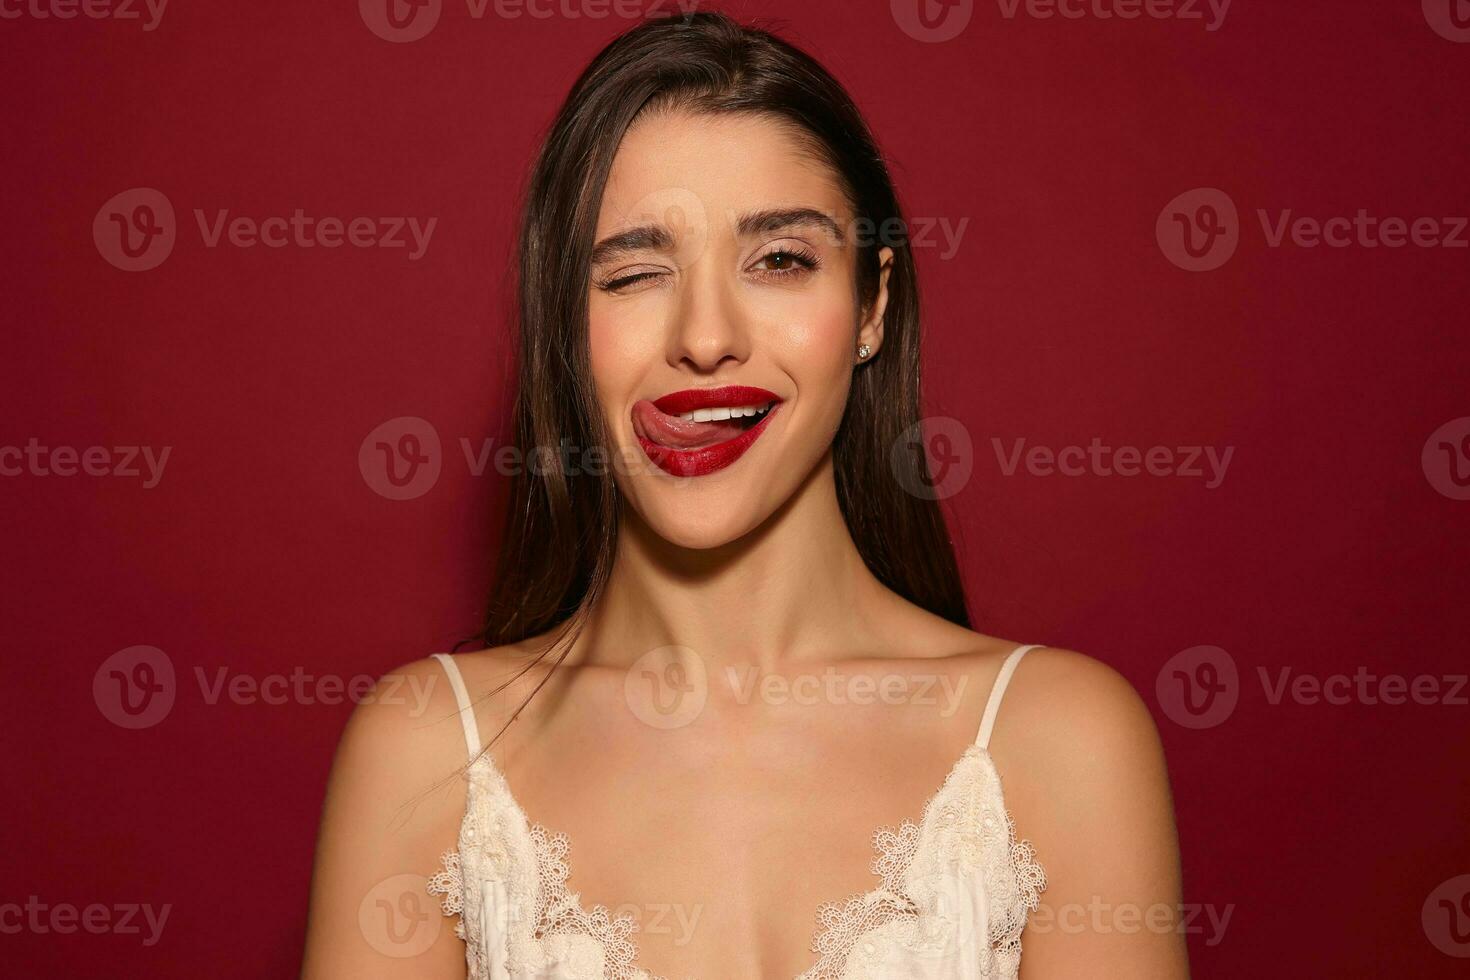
722	414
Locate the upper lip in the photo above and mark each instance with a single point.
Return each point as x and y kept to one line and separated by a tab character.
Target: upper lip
727	396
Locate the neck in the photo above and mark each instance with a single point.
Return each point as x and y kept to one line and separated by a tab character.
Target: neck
794	589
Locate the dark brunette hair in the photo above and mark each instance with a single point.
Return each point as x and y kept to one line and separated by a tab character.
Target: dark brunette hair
561	527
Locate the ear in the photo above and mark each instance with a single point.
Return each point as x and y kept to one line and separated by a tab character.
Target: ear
870	331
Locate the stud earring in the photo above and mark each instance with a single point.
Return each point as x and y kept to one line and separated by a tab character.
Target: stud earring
864	351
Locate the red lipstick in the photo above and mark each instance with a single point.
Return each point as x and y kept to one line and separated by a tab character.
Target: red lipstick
685	448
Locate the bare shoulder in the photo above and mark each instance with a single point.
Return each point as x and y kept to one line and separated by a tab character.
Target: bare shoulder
1071	729
1087	784
1064	702
393	805
1056	699
402	718
409	723
1085	781
1074	732
394	771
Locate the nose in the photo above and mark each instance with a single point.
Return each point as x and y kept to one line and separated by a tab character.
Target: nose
710	325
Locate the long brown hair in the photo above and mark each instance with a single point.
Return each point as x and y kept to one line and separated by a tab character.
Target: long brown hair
561	527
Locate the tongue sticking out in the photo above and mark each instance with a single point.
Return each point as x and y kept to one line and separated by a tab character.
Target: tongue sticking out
676	433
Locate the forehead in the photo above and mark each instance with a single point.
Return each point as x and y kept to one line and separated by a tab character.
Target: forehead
715	166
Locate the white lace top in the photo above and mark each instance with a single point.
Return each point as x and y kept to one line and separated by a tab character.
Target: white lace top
951	901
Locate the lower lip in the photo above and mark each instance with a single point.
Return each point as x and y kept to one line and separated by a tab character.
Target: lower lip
710	459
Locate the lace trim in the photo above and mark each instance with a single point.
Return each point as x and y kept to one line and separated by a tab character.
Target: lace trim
449	882
841	926
963	829
559	911
1025	894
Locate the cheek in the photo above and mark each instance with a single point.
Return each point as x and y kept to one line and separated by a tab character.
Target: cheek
819	340
815	343
619	352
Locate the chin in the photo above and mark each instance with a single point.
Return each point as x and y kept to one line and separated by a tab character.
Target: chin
698	521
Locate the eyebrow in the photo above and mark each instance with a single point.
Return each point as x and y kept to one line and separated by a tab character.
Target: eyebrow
655	238
775	219
643	238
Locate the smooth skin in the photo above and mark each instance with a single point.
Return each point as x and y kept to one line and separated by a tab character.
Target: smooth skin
724	835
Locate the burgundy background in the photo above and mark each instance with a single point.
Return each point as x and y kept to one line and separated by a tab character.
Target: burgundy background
264	550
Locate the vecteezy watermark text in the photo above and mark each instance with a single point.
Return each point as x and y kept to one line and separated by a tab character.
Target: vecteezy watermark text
136	230
749	683
1201	229
935	21
34	459
64	918
1095	459
1200	687
402	459
669	687
122	10
305	231
404	21
1211	12
1127	918
136	688
1364	686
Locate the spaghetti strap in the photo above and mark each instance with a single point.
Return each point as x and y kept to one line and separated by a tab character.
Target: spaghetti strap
462	696
998	690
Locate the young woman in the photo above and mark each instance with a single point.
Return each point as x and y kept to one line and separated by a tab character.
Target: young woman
730	641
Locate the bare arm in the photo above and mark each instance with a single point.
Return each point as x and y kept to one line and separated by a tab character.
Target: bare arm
1093	796
393	806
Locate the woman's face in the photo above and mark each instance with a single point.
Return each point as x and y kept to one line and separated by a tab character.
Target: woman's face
723	277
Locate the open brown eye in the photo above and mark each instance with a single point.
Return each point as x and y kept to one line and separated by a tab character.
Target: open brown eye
786	261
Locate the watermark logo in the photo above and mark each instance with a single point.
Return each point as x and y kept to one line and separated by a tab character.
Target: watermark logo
1199	687
400	21
1199	230
932	21
667	687
397	917
135	688
1446	459
678	212
135	230
1450	19
934	458
401	458
1446	917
